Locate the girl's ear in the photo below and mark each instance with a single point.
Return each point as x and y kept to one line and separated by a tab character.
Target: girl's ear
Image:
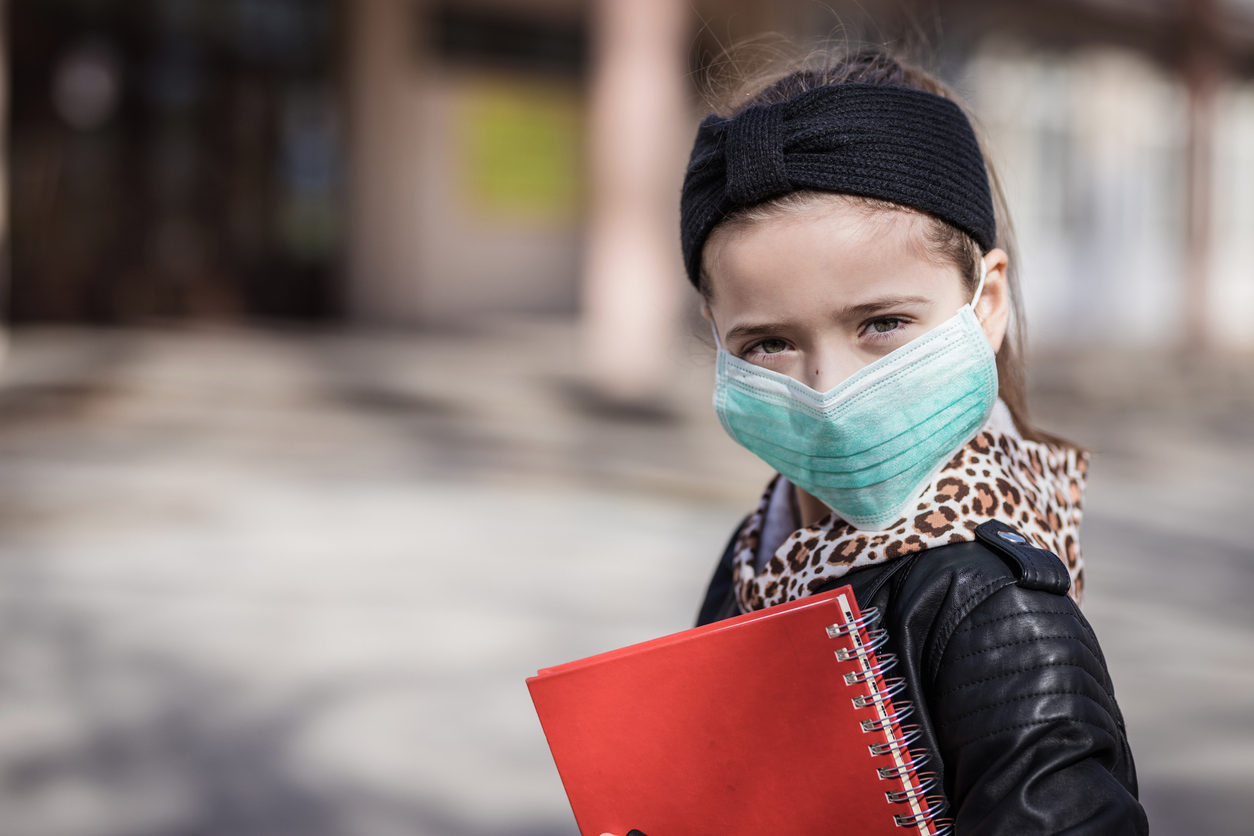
993	309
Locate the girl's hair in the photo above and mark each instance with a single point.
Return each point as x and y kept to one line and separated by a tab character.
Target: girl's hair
784	81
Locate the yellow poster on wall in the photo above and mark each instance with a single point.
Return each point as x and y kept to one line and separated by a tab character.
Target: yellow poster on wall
521	149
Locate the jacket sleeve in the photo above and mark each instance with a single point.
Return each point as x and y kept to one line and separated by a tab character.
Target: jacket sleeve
720	596
1026	721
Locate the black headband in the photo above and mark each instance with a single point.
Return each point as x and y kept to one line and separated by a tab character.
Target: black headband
891	143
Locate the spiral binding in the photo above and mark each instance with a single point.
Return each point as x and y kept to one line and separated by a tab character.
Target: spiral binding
899	739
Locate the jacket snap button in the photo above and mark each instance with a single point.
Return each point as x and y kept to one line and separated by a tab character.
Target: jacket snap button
1012	537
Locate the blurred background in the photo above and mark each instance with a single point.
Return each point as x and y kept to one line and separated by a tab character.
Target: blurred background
350	376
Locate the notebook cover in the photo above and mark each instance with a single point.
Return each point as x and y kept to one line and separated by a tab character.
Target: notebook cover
745	726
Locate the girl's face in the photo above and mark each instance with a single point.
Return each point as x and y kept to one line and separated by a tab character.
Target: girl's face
820	293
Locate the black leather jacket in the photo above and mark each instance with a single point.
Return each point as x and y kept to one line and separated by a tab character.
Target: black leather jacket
1020	719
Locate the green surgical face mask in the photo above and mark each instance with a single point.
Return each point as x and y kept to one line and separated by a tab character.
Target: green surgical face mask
869	446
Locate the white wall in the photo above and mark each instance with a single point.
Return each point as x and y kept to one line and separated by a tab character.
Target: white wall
1090	146
1232	278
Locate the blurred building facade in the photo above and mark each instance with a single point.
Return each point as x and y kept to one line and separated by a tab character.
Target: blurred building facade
419	162
174	159
468	125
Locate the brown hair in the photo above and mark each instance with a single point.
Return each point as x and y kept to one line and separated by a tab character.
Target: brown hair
784	81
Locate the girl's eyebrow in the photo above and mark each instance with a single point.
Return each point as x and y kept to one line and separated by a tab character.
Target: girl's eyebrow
879	305
767	329
755	330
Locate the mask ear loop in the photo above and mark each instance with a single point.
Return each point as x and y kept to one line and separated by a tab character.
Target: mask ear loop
718	344
979	288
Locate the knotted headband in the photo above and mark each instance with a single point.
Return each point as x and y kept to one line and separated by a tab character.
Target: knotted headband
891	143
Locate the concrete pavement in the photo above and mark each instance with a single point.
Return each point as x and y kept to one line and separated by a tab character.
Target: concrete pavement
290	582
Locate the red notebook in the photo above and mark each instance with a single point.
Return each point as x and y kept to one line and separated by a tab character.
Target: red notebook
777	722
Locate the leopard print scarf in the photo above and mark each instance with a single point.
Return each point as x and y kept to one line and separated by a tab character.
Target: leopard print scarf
1036	487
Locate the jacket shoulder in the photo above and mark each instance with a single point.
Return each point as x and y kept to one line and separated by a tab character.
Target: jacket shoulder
999	555
946	584
1027	724
1021	709
1033	568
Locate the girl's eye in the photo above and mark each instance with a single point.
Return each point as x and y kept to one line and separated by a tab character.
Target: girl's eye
772	346
884	328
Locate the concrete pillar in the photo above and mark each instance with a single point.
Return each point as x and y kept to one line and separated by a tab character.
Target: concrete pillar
384	94
1203	72
6	244
633	276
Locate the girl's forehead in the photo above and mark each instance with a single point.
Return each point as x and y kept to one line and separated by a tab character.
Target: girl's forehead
843	220
839	256
835	235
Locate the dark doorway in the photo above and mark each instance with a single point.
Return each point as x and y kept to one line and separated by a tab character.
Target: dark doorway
174	159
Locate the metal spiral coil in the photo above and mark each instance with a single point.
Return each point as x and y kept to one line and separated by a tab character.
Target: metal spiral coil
909	734
885	663
900	712
941	826
925	782
882	692
892	687
918	757
869	617
875	640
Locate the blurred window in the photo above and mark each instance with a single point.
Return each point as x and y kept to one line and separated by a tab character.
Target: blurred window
522	150
466	34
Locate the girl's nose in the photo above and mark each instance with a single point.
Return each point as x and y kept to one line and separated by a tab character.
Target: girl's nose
830	366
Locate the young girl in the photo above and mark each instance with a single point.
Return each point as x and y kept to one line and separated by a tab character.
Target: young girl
840	227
